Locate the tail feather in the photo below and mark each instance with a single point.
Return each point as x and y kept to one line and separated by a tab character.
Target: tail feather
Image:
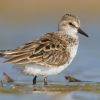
2	53
7	53
14	57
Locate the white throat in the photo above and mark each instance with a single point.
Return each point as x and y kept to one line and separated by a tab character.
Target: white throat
69	30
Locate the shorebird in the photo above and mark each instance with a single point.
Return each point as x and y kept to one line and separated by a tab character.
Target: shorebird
51	53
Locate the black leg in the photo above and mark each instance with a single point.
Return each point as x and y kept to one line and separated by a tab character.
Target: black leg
45	80
34	80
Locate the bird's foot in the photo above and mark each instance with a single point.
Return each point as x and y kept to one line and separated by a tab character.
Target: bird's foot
34	80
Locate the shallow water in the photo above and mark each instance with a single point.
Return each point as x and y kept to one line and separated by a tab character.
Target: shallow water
86	65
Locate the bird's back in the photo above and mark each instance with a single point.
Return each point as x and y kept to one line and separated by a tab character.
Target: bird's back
52	49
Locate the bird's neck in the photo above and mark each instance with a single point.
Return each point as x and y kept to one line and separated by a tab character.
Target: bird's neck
69	31
71	34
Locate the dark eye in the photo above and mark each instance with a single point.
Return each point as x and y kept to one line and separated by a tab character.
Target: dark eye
71	24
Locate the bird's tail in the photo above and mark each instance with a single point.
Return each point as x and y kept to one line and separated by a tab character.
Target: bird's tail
2	53
5	53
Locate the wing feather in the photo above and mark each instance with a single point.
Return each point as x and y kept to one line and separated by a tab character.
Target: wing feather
50	49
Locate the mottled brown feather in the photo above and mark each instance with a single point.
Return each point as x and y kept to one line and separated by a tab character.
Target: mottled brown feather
50	49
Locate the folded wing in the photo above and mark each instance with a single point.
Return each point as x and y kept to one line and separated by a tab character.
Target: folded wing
48	50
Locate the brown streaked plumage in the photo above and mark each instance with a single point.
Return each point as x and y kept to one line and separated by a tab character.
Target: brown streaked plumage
51	53
50	49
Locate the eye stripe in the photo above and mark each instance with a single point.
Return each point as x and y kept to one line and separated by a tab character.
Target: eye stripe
72	24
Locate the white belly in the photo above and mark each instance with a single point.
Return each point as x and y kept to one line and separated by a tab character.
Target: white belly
35	69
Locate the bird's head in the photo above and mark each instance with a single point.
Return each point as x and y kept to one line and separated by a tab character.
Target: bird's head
71	25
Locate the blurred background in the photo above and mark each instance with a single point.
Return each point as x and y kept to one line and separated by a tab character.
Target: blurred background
24	20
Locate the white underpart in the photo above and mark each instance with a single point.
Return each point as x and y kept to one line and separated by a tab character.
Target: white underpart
35	69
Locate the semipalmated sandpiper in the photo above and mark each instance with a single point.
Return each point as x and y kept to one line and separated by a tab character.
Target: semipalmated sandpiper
51	53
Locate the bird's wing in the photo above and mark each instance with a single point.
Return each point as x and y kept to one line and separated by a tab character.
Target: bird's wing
48	50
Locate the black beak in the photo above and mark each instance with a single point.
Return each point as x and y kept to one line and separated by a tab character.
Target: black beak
82	32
